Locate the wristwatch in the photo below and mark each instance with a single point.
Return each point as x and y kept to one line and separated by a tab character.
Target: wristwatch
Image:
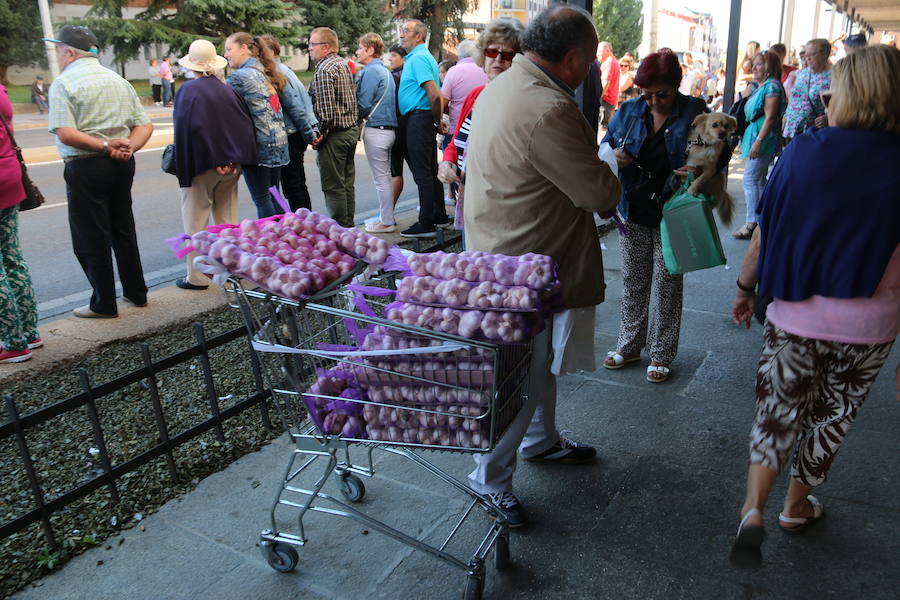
105	147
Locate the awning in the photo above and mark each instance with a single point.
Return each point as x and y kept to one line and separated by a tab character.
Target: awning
874	15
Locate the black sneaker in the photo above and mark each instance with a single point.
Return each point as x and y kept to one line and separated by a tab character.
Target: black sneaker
565	451
418	231
446	224
507	502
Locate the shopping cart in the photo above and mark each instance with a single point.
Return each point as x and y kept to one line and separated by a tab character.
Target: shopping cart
415	389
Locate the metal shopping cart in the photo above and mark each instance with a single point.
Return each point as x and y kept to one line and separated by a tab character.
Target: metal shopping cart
333	364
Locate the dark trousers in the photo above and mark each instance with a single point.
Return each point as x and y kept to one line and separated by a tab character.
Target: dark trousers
259	179
608	112
100	218
421	156
293	175
157	92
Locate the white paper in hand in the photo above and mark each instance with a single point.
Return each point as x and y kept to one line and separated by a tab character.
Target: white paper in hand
608	155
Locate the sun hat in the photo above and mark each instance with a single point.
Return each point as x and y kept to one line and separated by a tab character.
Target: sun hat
202	57
76	36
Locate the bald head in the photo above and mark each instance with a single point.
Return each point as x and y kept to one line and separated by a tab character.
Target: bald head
558	30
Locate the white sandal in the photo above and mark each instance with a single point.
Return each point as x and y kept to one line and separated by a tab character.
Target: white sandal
664	371
619	360
802	522
746	550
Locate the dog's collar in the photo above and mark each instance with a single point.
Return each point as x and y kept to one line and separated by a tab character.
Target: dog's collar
698	142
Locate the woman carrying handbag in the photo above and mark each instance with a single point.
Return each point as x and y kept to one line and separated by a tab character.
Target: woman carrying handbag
18	308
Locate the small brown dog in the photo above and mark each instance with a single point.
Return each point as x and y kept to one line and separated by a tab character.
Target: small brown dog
707	140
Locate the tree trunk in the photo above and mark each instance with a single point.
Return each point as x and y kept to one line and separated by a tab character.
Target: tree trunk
3	69
436	24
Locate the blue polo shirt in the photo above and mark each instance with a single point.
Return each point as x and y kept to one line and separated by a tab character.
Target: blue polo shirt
418	67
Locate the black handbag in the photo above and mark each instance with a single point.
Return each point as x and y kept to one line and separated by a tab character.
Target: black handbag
168	160
33	196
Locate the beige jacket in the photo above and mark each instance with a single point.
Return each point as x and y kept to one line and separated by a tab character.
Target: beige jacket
533	179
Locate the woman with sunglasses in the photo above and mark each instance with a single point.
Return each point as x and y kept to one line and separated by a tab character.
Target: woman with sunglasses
650	135
494	51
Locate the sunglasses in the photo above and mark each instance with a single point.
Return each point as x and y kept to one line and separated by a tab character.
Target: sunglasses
494	53
826	97
647	96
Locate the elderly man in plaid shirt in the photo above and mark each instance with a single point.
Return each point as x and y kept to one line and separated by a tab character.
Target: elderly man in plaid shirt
99	124
334	102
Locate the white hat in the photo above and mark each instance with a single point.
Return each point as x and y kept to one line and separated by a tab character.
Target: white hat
202	57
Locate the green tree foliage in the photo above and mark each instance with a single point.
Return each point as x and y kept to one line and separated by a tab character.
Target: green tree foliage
349	18
213	20
440	16
619	22
20	35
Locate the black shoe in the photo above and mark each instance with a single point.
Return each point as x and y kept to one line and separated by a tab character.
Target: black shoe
187	285
418	231
509	505
565	451
446	224
132	302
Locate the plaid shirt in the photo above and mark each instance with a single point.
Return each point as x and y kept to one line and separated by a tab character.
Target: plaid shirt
94	100
334	95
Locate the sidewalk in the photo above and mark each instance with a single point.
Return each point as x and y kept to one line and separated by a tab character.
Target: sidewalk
653	518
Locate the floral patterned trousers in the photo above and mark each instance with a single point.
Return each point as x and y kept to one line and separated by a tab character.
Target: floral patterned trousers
808	393
18	309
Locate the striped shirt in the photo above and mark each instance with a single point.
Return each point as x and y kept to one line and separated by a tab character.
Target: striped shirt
94	100
334	95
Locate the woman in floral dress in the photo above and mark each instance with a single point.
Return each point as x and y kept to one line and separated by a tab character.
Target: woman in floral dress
805	110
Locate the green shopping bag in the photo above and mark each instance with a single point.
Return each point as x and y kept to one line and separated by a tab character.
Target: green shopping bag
690	238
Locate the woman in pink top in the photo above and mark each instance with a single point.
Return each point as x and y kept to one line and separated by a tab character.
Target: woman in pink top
18	309
833	270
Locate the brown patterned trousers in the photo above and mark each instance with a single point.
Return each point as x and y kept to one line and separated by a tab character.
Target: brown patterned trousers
808	393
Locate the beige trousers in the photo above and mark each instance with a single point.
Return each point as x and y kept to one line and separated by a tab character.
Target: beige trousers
209	193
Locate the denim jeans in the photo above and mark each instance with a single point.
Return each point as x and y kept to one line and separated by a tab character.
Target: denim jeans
167	91
259	179
755	176
293	175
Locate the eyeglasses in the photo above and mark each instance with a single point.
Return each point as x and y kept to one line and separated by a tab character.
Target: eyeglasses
494	53
647	96
317	44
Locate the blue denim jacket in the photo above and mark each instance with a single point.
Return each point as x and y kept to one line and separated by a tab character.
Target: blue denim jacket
249	80
628	130
298	108
376	81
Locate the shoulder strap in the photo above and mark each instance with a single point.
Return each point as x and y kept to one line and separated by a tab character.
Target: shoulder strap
377	104
10	133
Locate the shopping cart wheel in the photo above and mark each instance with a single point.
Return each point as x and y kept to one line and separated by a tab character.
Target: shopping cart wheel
501	552
282	557
352	488
474	587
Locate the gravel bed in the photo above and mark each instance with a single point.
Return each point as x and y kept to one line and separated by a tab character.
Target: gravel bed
61	447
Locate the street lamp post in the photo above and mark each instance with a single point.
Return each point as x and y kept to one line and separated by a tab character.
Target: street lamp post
47	26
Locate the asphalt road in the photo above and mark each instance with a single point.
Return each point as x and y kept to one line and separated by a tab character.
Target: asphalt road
59	282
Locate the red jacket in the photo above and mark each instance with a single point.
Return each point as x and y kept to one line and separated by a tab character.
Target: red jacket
450	152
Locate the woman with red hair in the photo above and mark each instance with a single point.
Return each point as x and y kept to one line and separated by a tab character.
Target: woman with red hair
649	134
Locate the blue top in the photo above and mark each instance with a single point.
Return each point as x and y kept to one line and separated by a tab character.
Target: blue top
755	111
628	130
376	84
830	216
418	67
218	132
298	108
249	80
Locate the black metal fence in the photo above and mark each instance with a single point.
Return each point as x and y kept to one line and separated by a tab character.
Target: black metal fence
17	425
